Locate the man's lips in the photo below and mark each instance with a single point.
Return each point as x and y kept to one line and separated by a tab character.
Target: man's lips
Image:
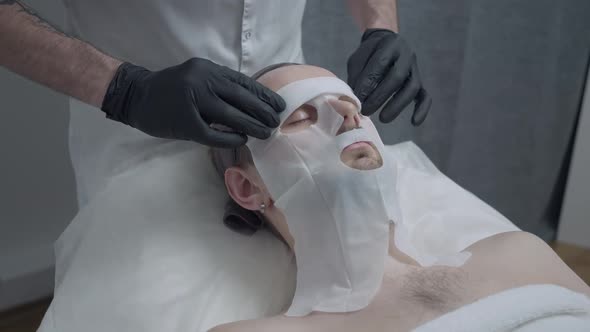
357	145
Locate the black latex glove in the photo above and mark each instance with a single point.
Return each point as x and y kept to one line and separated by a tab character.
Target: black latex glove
182	102
384	66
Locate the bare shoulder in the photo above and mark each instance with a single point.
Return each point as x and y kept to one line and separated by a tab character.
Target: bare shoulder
240	326
523	258
277	323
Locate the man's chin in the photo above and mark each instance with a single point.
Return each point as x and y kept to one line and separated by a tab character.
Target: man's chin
365	164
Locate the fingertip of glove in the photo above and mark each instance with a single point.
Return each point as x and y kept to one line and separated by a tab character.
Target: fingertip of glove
275	122
421	112
368	110
265	134
419	118
244	138
388	116
229	141
281	104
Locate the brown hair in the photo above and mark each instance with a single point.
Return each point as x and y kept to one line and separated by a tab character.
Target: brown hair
236	217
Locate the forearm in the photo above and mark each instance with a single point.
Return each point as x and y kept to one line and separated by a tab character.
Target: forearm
31	47
375	14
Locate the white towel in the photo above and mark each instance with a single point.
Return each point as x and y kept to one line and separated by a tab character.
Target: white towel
524	309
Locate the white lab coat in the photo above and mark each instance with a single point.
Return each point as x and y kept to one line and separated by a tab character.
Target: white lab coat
245	35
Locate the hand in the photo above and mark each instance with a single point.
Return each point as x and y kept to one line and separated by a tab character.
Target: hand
385	67
182	102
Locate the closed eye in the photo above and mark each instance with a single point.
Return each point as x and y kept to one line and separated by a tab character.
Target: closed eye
301	122
300	119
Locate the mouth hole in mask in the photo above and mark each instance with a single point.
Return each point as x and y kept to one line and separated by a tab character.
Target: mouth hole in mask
362	156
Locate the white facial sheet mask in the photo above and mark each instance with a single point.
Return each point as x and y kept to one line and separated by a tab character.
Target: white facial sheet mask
338	216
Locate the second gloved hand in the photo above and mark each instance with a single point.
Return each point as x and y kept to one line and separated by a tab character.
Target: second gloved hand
384	67
182	102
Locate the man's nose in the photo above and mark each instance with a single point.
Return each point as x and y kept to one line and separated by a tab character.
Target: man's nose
350	114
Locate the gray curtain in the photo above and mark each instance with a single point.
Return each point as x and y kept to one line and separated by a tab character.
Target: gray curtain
507	79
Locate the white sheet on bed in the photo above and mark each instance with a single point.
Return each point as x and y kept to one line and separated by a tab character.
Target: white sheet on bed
150	253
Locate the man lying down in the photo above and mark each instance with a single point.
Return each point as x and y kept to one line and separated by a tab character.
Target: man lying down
381	242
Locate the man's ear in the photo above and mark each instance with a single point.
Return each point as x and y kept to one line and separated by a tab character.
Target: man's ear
244	188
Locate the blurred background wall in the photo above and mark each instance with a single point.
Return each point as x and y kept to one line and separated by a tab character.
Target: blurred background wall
37	189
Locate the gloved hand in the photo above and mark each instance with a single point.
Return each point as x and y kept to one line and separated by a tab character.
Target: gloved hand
384	66
182	102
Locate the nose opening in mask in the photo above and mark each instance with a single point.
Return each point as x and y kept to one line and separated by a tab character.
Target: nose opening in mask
350	100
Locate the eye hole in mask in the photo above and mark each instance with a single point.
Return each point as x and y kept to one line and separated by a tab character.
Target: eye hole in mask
306	115
302	118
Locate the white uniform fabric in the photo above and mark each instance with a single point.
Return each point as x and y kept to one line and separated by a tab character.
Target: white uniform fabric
534	308
244	35
150	251
338	216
